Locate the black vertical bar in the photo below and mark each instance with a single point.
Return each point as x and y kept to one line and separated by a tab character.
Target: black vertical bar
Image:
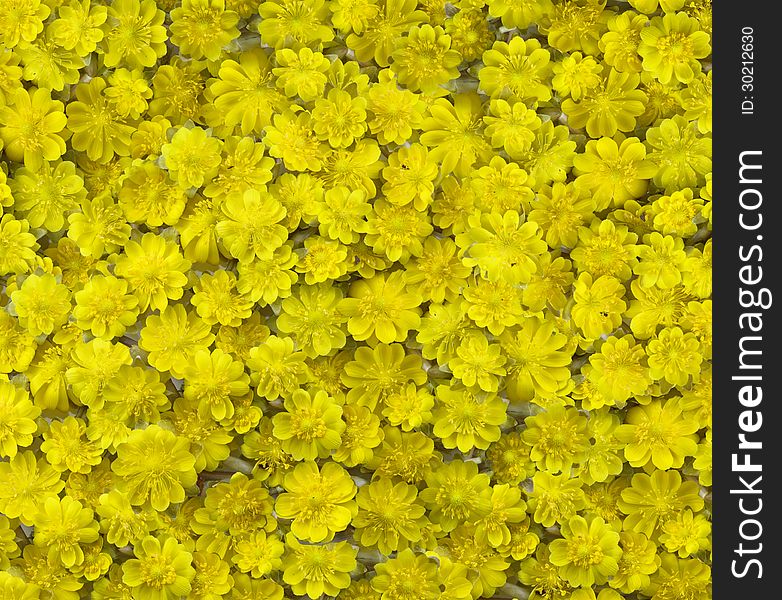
746	262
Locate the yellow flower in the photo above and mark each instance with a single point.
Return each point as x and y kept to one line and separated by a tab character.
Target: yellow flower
502	245
319	501
407	576
537	359
557	437
619	369
395	112
456	493
599	305
16	588
389	516
290	23
201	28
192	156
409	407
43	195
551	154
30	127
22	21
161	569
276	369
507	508
478	363
518	70
243	167
671	47
99	228
559	210
173	337
361	435
511	126
679	578
397	231
424	59
519	13
105	308
155	270
154	466
311	425
137	37
79	26
339	118
639	560
576	75
315	570
17	346
696	100
614	106
259	554
687	534
454	132
292	139
677	213
354	168
61	525
654	307
377	39
264	281
98	129
662	260
342	213
67	450
138	394
465	419
652	500
606	249
129	92
409	177
301	73
17	415
42	304
437	274
577	25
380	308
250	228
217	299
313	319
244	91
588	551
674	356
212	380
682	155
613	172
96	363
660	432
620	43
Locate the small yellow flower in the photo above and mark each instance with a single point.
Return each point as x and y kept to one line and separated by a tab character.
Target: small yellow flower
380	307
201	28
588	552
161	569
319	501
192	156
62	525
42	304
154	466
17	419
671	47
31	127
105	307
